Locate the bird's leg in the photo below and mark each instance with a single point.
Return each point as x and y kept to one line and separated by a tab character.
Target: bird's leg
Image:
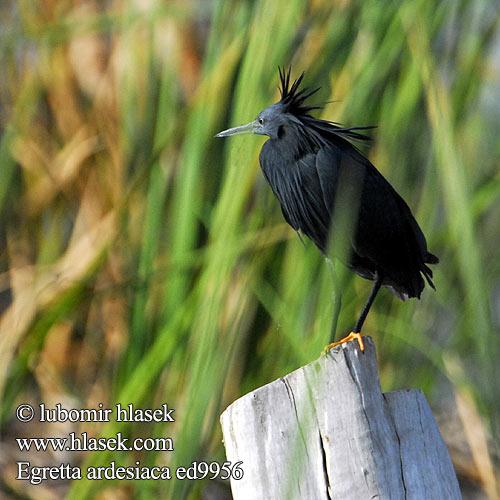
336	298
369	302
356	333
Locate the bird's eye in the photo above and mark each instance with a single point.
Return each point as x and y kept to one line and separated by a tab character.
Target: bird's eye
261	121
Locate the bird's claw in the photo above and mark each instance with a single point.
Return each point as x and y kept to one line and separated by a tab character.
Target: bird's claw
351	336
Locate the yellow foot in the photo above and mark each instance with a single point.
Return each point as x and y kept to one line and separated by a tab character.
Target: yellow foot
351	336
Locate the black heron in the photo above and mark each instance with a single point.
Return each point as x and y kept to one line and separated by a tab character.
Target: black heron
316	172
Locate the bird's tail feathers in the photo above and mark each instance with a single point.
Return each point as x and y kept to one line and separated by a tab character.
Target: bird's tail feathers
430	258
398	293
427	271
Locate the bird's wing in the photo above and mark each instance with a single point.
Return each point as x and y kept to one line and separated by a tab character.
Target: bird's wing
386	238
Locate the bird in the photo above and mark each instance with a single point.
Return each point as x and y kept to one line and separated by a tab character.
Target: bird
330	192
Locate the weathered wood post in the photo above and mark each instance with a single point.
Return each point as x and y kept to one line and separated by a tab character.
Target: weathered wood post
326	431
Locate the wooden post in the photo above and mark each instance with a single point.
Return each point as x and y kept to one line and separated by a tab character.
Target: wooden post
326	431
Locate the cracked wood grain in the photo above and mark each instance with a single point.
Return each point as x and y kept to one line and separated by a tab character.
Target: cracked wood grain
326	431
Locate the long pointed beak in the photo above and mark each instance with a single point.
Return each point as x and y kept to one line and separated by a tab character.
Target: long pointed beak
242	129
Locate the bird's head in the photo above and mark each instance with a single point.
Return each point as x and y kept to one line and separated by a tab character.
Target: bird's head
268	122
289	109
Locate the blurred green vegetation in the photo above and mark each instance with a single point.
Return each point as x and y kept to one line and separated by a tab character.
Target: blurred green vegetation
143	261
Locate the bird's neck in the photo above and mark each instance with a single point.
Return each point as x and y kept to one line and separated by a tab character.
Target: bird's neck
293	143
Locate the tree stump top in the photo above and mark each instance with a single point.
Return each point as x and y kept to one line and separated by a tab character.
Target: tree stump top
327	431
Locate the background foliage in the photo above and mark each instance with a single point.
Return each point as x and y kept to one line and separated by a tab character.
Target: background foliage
143	261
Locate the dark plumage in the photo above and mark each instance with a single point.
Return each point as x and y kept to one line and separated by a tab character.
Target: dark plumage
317	173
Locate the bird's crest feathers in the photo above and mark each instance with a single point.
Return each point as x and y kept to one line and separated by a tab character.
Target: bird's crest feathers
291	97
293	101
